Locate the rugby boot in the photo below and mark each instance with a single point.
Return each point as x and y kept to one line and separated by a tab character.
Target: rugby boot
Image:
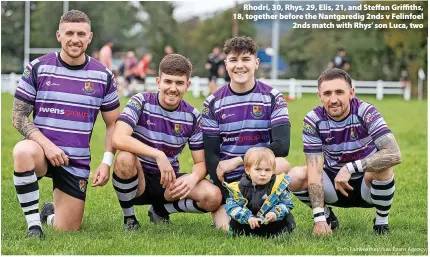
156	217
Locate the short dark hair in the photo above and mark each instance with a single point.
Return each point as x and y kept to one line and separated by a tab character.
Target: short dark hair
75	16
335	73
175	64
239	45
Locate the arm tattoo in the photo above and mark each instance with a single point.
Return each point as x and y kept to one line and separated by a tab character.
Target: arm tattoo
316	190
312	159
387	156
316	194
20	117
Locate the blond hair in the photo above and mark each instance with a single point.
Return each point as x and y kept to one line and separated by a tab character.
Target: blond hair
257	154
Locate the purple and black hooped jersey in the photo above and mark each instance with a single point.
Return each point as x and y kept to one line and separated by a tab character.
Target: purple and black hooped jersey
67	100
243	120
350	139
167	131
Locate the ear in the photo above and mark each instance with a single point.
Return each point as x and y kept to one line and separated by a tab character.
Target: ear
158	80
58	35
319	96
257	62
188	85
351	93
91	37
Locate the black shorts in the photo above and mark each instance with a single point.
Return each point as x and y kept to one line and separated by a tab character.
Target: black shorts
267	230
154	191
68	183
355	197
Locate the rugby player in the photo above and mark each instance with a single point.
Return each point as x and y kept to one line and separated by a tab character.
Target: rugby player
350	153
242	114
65	91
151	133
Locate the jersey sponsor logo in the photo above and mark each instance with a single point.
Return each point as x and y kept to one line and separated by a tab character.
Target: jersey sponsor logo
280	102
67	113
370	116
241	139
50	83
89	88
150	123
257	111
224	116
178	129
308	128
328	139
134	104
83	185
26	73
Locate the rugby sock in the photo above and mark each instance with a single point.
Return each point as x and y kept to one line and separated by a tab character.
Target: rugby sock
303	196
126	191
186	205
27	190
382	193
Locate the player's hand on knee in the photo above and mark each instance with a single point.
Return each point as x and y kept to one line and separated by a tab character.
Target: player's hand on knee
254	222
227	166
102	175
322	228
55	155
183	186
167	173
341	181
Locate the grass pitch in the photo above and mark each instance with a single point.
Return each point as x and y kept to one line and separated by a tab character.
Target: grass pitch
191	234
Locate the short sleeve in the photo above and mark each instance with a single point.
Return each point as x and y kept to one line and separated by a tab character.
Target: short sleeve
111	99
210	126
311	139
195	141
279	115
133	110
27	86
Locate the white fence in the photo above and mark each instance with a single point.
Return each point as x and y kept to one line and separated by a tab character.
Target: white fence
294	88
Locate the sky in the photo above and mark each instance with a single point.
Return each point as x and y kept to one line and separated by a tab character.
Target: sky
190	8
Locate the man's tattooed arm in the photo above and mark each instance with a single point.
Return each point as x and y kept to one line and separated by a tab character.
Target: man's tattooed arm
20	117
315	179
387	156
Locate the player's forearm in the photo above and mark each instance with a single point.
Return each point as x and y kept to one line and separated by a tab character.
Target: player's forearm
132	145
199	170
388	155
108	138
20	118
315	180
280	144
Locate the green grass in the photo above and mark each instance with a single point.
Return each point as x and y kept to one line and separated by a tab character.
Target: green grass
102	233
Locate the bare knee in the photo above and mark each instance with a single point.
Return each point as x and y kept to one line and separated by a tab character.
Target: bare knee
212	199
125	165
25	155
299	178
67	226
384	175
282	166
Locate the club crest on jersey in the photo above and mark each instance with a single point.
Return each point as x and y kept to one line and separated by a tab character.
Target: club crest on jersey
89	88
353	135
205	111
257	111
83	185
178	129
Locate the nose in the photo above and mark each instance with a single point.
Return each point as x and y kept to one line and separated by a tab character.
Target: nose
333	99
